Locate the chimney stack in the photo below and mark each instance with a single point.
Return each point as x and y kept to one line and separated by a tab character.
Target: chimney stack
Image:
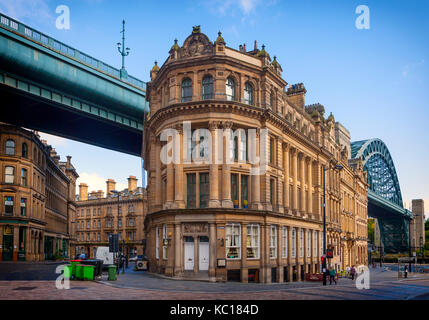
132	183
244	48
256	45
83	192
241	48
111	184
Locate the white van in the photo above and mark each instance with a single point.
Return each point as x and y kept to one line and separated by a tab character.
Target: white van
104	254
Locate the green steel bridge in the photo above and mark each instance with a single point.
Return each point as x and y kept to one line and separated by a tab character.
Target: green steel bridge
384	194
46	85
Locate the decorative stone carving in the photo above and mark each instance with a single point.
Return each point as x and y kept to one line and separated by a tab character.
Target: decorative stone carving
195	228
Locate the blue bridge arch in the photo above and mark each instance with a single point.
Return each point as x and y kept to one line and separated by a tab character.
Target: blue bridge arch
384	194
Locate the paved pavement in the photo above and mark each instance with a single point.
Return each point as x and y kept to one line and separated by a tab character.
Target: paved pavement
142	286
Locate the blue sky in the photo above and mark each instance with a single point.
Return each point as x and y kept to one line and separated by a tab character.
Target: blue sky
374	81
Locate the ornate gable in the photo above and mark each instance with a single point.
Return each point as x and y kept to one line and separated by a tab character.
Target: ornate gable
197	44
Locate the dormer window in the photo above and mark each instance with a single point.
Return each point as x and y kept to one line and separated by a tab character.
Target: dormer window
207	89
248	93
186	90
230	89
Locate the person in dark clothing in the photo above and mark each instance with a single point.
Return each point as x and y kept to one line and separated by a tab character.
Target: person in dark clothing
332	274
353	272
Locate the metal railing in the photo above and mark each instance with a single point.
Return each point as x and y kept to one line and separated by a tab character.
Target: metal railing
38	37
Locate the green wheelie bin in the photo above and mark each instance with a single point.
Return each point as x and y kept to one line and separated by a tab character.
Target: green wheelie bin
79	271
112	272
88	272
67	271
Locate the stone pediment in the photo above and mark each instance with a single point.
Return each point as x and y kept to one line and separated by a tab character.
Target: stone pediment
197	44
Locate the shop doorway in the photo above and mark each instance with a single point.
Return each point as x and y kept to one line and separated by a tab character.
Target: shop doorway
7	247
189	253
204	254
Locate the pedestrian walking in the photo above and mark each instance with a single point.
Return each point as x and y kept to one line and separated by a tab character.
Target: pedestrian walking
405	271
126	261
347	271
332	274
353	272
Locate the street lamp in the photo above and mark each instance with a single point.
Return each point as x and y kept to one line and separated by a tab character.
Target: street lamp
338	167
123	51
117	257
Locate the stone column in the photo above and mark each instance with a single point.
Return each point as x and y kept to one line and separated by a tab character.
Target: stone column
28	244
289	254
305	250
177	246
170	184
214	167
267	265
279	255
310	187
226	172
263	249
286	176
158	179
196	254
295	179
212	257
15	243
179	186
256	179
302	161
244	270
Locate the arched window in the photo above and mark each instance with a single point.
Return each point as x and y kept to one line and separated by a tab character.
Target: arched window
24	151
207	89
10	147
9	175
248	93
24	177
186	90
230	89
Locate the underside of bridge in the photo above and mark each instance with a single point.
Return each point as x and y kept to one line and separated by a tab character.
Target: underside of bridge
384	194
23	110
48	86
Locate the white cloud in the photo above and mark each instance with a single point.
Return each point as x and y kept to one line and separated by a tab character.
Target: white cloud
246	7
96	182
409	68
21	9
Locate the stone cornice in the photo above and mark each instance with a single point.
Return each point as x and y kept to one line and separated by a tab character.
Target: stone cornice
210	106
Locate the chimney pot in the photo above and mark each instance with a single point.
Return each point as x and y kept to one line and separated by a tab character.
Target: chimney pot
244	48
256	45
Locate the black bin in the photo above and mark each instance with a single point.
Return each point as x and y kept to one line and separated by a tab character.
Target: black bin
97	263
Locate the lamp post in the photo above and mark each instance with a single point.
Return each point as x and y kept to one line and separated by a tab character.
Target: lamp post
123	51
117	258
338	167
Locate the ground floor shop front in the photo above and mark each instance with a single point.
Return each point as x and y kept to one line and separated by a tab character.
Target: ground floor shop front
25	241
246	247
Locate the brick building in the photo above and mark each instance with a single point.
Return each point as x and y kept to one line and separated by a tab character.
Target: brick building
237	219
37	192
97	217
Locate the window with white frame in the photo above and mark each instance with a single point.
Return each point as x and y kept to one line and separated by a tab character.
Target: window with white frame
315	247
273	242
293	243
253	236
157	242
233	241
301	243
284	242
164	237
308	243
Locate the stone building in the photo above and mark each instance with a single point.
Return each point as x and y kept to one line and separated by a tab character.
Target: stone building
417	226
256	215
37	197
97	217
